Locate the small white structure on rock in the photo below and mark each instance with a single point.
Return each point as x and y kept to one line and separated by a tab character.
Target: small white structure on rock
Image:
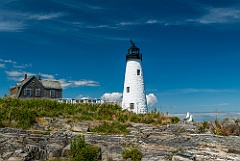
187	115
188	118
134	98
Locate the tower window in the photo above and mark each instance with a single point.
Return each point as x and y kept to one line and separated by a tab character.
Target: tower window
138	72
128	89
131	105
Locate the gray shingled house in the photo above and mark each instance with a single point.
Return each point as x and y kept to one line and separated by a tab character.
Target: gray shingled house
32	87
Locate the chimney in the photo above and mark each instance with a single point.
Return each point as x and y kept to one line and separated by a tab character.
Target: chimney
39	77
25	76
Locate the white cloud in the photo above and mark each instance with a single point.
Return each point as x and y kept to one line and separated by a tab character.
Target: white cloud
2	65
14	21
64	83
79	96
77	83
45	16
112	97
127	23
17	75
151	100
15	64
22	66
152	21
11	26
47	76
84	83
8	61
94	7
14	73
220	16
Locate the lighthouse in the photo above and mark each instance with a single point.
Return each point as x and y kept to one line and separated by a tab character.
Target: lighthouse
134	98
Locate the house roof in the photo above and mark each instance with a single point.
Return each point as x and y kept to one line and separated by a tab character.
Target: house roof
25	81
51	84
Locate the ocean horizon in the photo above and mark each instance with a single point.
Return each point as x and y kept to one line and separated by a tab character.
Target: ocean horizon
208	116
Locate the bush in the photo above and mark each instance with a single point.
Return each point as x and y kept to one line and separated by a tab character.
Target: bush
111	128
175	120
132	152
80	151
203	126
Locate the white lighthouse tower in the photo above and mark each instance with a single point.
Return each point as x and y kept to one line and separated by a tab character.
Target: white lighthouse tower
134	98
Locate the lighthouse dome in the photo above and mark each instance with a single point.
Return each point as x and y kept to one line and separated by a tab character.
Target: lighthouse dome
133	52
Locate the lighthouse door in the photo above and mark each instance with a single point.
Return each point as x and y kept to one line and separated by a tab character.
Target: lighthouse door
131	105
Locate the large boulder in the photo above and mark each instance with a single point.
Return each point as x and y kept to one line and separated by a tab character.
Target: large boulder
55	150
229	122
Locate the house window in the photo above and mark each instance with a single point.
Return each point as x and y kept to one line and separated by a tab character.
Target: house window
52	93
131	105
128	89
27	92
138	72
37	92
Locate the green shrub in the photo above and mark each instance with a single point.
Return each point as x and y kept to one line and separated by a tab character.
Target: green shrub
147	119
80	151
135	118
203	126
132	152
84	117
175	119
111	128
122	118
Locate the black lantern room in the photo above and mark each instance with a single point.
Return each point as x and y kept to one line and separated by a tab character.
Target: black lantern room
133	52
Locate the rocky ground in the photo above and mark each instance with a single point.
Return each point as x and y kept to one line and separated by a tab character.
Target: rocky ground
178	142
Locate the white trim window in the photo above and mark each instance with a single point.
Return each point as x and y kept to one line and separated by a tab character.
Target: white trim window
52	93
37	92
27	92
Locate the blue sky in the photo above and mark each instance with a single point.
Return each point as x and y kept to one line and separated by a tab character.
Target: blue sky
191	51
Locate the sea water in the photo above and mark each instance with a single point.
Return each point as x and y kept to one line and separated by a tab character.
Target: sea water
207	116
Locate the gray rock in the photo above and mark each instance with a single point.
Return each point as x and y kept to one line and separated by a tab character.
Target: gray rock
180	158
178	142
55	150
66	151
6	155
229	122
14	159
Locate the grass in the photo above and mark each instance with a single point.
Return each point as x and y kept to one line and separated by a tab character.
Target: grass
111	128
133	152
203	126
218	128
80	151
111	118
